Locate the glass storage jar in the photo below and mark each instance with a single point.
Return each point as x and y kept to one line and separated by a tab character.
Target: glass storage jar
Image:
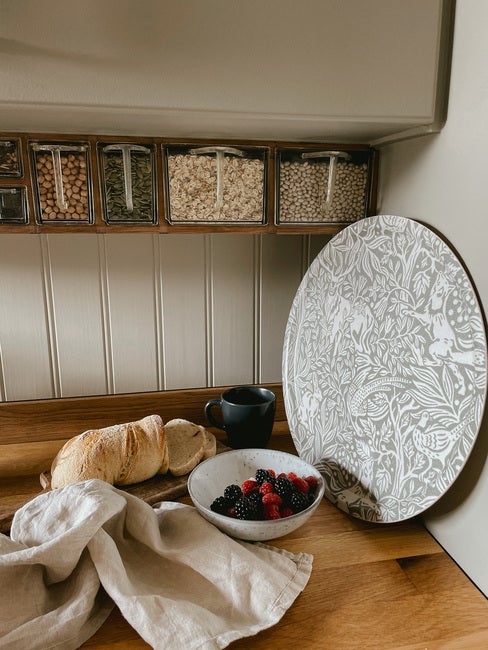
218	184
13	204
322	186
61	172
128	181
10	160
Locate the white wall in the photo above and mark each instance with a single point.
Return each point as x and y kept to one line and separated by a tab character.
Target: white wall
442	181
104	314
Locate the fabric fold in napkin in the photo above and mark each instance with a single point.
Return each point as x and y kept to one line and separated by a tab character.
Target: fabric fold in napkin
180	582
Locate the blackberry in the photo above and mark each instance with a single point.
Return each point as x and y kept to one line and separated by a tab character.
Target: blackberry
285	488
263	476
311	498
220	505
233	493
257	500
255	497
299	501
245	509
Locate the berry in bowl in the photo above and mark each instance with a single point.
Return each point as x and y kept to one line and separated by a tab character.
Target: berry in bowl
256	494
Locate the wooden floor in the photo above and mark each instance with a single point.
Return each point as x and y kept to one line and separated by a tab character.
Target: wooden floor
378	587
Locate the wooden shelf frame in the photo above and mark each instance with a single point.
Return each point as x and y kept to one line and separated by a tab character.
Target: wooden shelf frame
27	180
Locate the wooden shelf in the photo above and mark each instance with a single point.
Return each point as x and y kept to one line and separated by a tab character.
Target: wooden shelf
28	180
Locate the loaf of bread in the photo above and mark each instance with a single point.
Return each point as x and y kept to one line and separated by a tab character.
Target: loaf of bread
122	454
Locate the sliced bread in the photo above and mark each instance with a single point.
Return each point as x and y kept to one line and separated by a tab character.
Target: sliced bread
186	445
210	444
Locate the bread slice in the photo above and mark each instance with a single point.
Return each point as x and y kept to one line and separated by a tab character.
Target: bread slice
186	445
165	464
210	445
122	454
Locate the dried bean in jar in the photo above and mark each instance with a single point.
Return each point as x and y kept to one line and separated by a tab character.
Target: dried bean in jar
304	187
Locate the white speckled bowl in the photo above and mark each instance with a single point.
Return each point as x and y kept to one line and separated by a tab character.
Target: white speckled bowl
209	479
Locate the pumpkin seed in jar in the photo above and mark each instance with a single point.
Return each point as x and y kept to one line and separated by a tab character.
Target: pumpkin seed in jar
128	183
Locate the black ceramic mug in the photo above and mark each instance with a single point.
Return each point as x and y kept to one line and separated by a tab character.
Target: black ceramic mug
247	415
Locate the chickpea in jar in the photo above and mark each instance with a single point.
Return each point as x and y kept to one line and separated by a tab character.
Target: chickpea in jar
304	187
74	187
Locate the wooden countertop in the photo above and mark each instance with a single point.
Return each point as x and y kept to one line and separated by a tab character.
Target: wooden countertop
378	587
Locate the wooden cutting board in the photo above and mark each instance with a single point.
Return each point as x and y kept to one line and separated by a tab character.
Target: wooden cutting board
158	488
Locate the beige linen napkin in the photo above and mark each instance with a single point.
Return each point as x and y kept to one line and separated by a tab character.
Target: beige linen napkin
177	579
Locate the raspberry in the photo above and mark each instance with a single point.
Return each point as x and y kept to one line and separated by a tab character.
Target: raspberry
220	505
249	486
312	482
301	485
266	488
285	511
233	493
267	496
273	498
271	511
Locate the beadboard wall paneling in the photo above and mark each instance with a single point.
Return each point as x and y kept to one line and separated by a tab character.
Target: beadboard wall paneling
282	261
25	364
79	321
233	285
104	314
314	246
184	266
128	263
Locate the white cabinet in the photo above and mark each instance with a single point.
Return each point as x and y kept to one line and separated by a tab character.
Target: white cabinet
320	70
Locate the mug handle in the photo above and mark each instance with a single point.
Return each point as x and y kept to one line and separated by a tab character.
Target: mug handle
208	412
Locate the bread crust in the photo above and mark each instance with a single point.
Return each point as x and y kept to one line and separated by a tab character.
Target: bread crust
122	454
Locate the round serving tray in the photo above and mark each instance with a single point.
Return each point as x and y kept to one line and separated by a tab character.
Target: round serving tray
384	368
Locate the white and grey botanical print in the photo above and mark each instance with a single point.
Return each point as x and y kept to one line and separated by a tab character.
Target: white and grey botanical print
384	368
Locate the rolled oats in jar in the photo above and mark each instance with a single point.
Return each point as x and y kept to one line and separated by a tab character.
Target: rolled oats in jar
216	184
62	175
322	186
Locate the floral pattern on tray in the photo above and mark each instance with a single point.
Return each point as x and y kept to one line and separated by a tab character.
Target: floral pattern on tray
384	368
